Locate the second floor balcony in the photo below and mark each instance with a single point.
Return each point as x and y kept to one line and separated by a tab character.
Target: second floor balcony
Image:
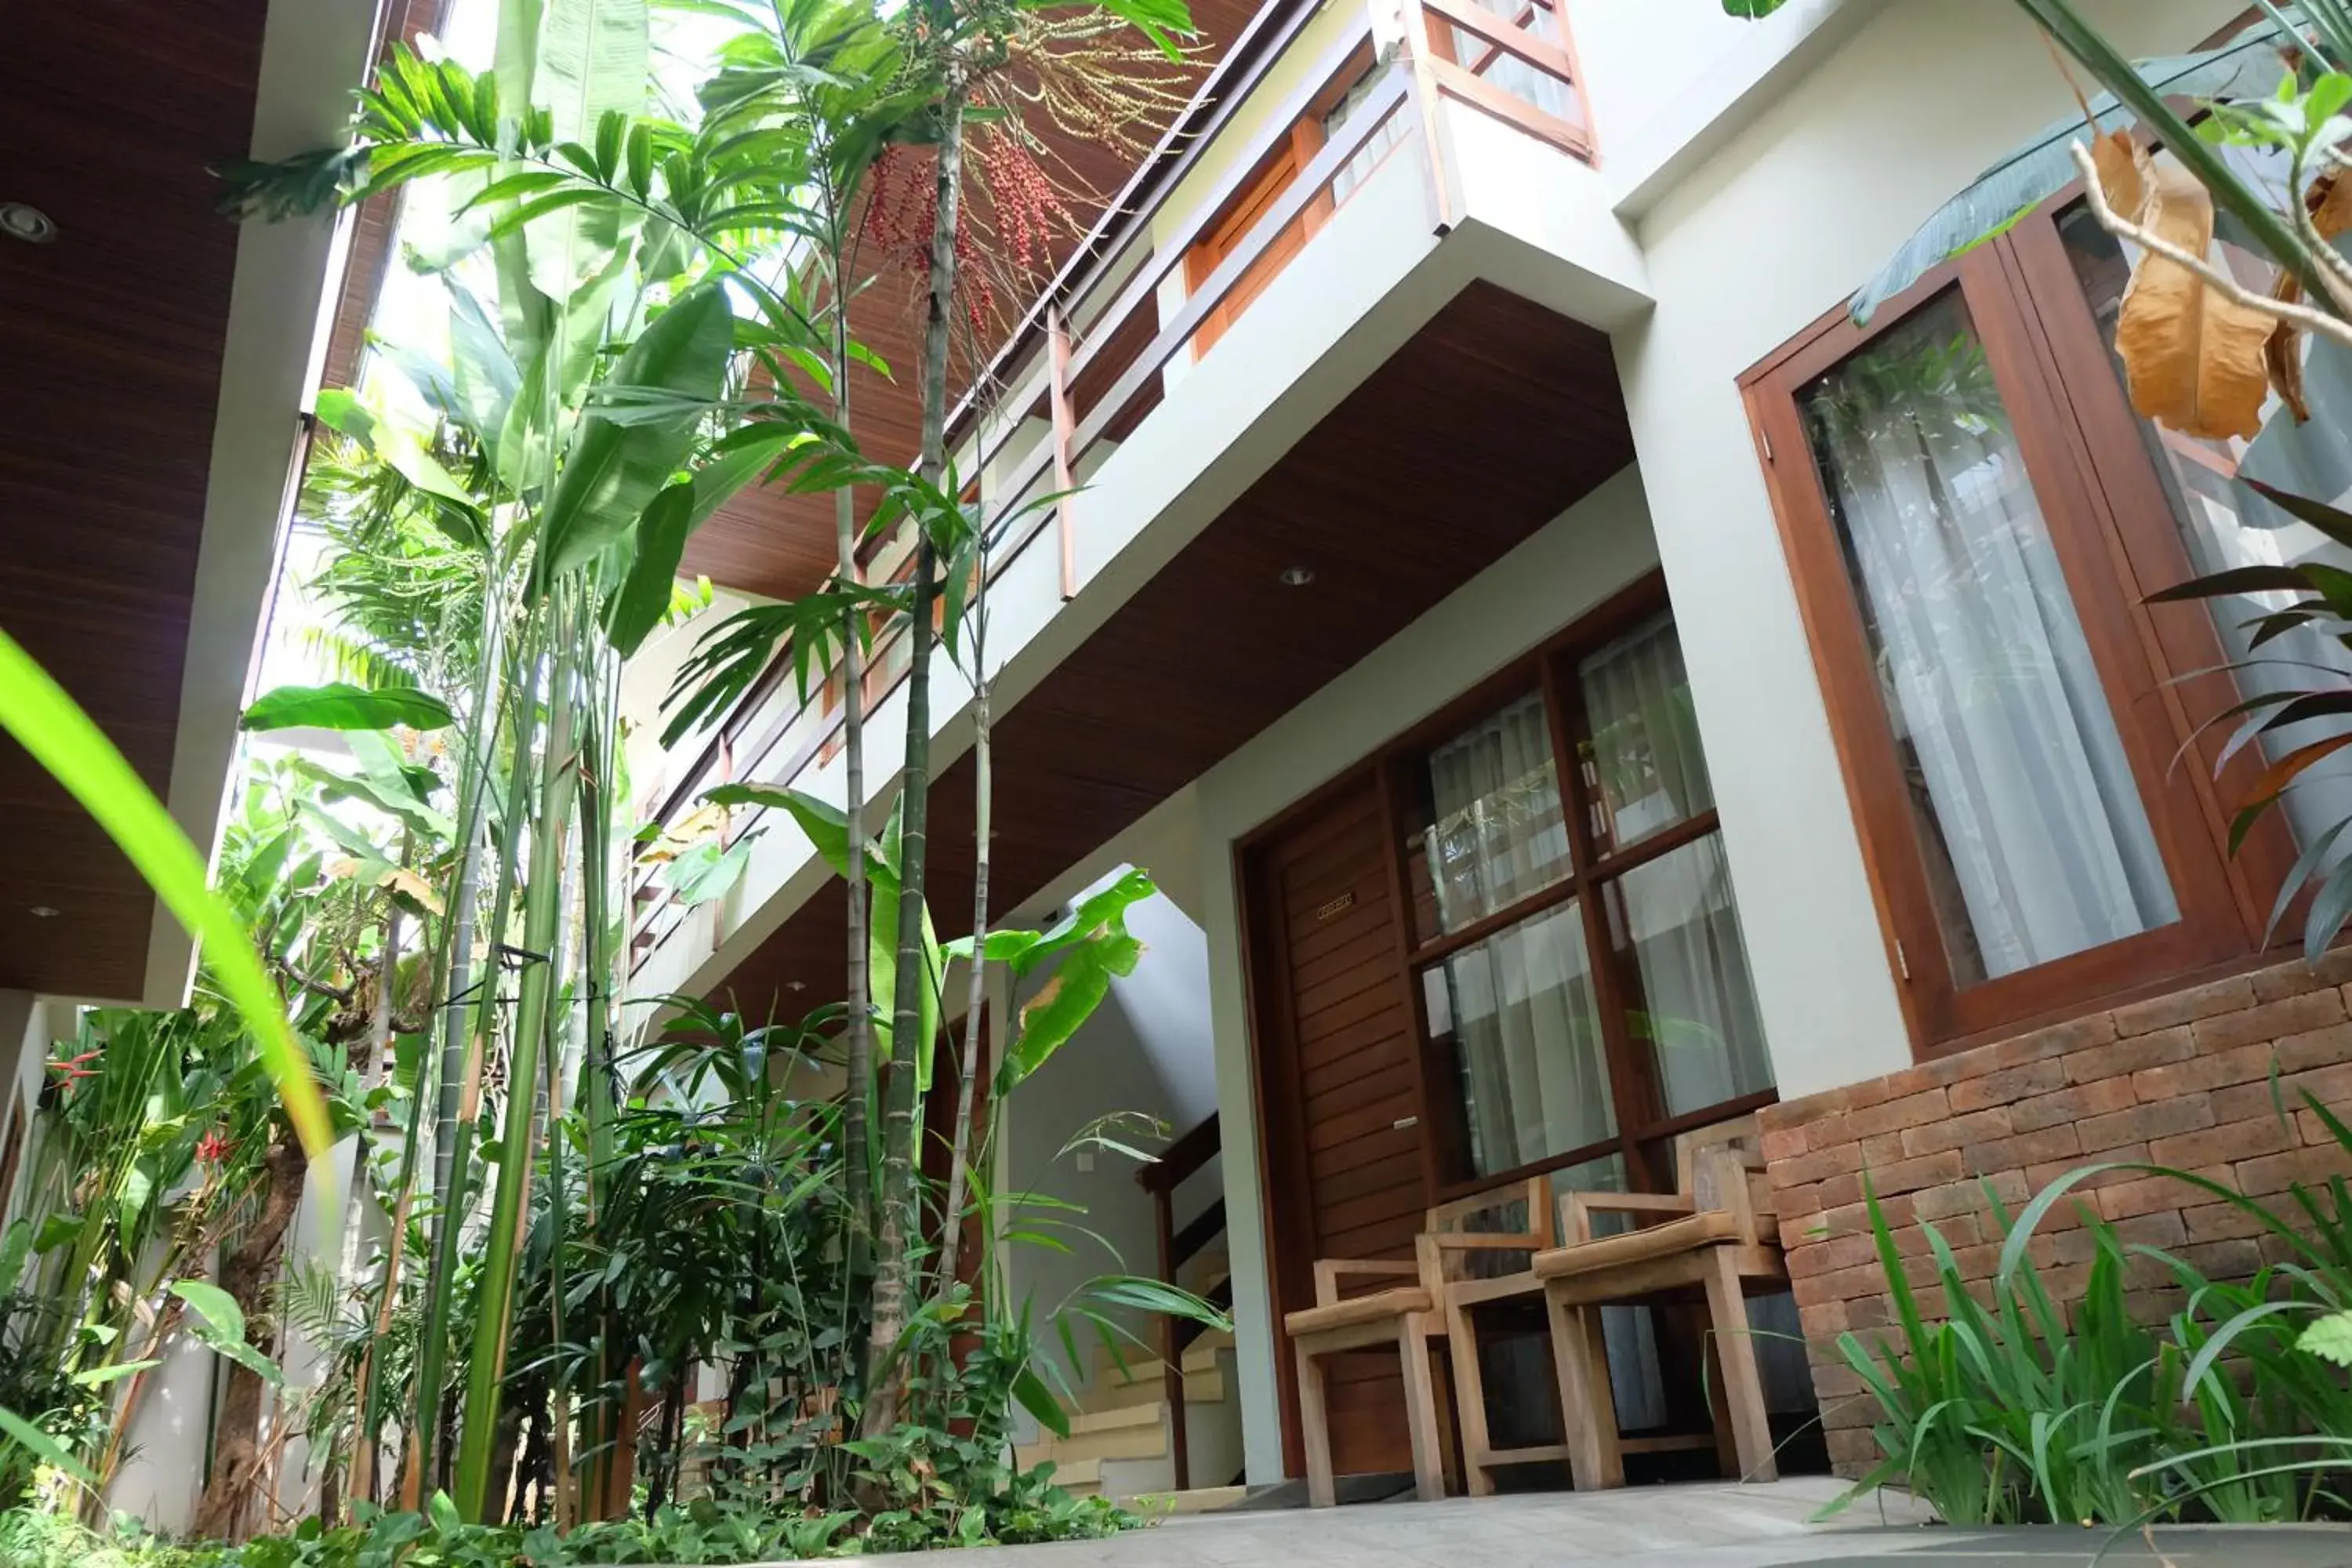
1338	344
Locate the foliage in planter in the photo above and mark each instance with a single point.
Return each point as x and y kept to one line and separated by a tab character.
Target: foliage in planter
2019	1408
1027	1509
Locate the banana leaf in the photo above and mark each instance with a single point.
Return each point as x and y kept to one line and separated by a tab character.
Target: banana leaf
2249	66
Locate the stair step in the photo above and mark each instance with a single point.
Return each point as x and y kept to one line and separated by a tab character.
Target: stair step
1123	1432
1201	1387
1119	1418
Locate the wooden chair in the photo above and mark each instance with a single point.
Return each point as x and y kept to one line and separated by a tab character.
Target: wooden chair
1716	1241
1407	1316
1447	1249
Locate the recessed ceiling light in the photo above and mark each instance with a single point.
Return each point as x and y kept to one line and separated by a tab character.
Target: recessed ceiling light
20	221
42	913
1296	577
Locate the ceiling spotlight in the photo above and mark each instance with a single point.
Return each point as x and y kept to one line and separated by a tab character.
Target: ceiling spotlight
1296	577
42	913
20	221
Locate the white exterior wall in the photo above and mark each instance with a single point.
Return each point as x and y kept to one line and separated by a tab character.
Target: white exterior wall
1808	201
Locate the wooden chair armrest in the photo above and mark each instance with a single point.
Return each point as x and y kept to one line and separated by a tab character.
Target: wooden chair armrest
1724	1179
1327	1271
1433	1246
1576	1209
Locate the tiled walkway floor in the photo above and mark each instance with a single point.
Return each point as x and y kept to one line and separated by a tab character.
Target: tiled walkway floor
1709	1526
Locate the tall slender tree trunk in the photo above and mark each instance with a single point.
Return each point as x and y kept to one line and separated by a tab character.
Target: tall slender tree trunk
899	1228
854	1132
364	1402
976	972
243	1274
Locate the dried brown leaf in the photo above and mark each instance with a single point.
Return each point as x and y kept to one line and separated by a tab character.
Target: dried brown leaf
2123	173
2194	357
2283	351
2329	202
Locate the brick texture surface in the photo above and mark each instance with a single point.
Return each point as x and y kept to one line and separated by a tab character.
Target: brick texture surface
2208	1080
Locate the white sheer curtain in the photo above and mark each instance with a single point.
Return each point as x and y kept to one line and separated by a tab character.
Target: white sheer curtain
1387	135
1645	734
1984	666
1698	1001
1519	1005
1499	836
1520	1008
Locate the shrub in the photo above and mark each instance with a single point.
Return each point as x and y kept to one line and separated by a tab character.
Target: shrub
2018	1408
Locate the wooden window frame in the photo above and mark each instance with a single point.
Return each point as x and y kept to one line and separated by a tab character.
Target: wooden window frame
2112	528
1642	1125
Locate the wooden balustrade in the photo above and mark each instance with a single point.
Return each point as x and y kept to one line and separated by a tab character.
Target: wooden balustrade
1092	354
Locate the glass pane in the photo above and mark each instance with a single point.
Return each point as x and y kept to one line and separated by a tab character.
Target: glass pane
1487	828
2036	842
1642	758
1513	75
1385	135
1693	1002
1516	1012
2223	523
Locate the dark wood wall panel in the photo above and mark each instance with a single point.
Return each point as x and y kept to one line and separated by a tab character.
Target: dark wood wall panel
1337	1022
110	111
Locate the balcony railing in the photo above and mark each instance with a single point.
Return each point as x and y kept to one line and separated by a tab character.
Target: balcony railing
1089	361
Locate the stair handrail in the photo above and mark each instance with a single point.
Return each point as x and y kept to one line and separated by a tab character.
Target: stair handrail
1184	1157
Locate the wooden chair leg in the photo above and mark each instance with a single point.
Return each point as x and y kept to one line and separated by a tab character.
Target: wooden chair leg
1743	1389
1588	1409
1314	1428
1718	1407
1470	1401
1420	1408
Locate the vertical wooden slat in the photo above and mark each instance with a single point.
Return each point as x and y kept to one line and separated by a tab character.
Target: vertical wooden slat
1057	385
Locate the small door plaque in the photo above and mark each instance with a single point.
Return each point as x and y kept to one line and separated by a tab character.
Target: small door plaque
1332	909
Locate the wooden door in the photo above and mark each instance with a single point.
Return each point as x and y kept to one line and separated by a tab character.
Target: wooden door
1345	1176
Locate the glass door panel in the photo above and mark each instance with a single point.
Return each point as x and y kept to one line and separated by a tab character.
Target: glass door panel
2036	840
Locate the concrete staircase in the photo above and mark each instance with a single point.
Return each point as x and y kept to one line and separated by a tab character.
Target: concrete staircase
1119	1445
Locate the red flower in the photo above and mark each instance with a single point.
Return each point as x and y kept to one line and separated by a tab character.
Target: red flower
75	1068
214	1148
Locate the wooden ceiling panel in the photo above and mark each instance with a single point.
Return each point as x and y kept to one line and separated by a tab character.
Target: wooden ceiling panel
111	113
1488	424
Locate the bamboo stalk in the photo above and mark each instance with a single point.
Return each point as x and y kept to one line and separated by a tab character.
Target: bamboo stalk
542	914
899	1228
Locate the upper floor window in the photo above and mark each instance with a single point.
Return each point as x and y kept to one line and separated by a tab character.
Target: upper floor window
1973	517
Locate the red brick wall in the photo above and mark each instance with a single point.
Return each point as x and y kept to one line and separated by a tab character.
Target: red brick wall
2180	1081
